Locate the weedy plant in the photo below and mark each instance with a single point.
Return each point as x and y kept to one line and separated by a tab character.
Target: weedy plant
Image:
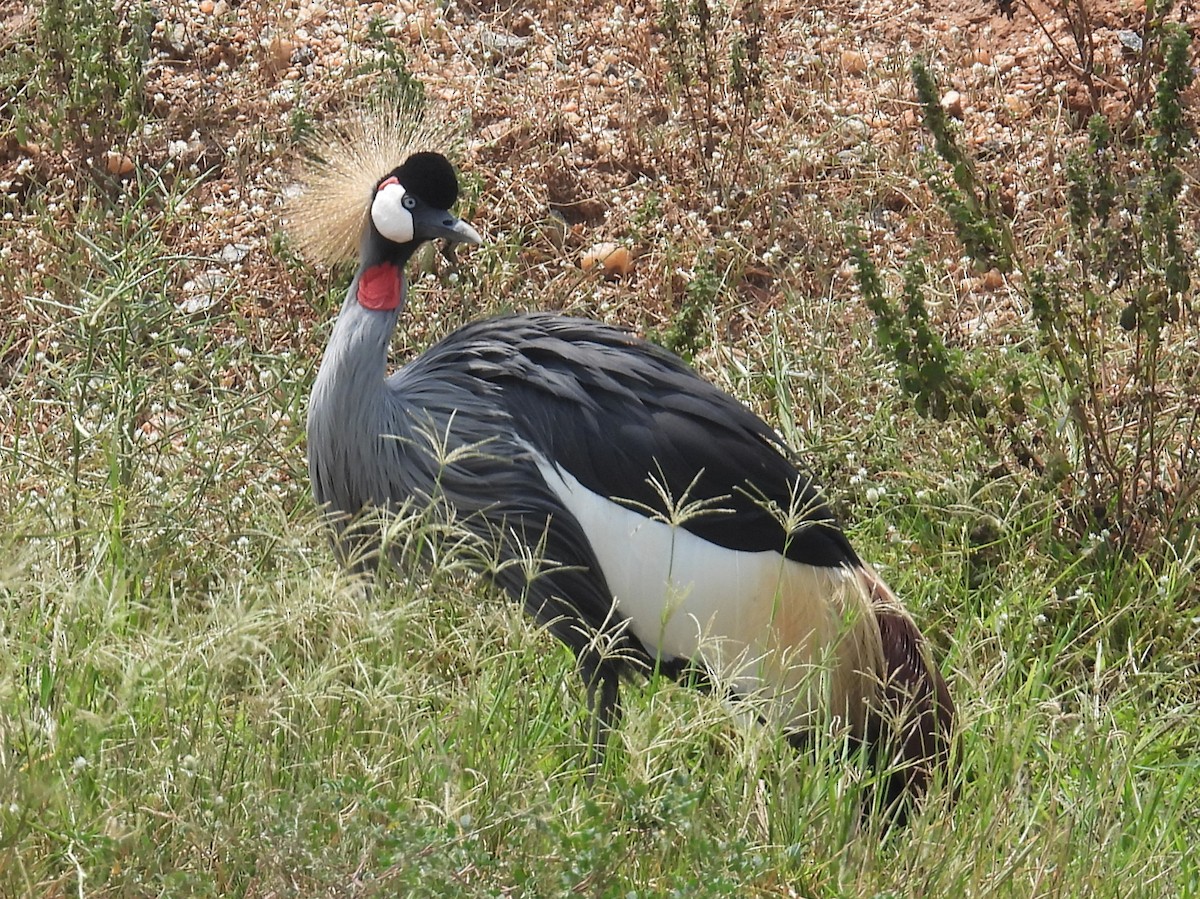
1097	400
716	65
388	59
79	77
687	335
1142	51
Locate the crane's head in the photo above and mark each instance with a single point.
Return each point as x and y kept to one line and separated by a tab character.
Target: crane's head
344	196
412	204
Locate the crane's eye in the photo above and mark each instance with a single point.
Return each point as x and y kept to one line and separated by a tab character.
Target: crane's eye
409	202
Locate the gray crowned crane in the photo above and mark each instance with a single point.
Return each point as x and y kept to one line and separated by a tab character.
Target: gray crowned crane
672	530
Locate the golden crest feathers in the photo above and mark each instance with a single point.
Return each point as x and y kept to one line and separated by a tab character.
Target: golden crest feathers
346	159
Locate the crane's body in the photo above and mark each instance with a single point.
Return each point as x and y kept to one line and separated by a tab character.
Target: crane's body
647	518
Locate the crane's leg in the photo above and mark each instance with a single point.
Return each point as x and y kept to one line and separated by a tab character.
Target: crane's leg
602	682
584	625
564	590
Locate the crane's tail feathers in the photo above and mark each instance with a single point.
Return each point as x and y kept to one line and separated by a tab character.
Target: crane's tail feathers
344	161
917	713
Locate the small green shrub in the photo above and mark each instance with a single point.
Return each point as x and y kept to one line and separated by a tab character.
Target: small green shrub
390	62
1098	403
686	335
81	75
715	62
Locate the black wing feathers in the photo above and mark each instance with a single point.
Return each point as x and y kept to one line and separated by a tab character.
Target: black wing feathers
619	413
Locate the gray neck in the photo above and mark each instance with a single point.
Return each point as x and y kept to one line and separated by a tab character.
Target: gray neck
355	362
351	409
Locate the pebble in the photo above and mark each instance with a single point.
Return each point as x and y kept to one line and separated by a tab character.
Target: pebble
117	163
314	13
279	52
952	102
233	253
1079	100
1016	105
612	259
853	62
895	201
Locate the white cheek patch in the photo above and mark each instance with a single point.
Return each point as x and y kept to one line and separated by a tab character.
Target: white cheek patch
389	215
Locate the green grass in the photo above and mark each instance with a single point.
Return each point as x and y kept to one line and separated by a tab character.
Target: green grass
194	700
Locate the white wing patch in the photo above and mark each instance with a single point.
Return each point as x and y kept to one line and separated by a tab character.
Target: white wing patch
761	623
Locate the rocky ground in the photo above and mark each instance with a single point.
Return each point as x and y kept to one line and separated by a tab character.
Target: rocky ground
586	123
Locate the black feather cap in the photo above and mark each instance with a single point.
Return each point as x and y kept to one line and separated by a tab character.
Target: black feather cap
429	176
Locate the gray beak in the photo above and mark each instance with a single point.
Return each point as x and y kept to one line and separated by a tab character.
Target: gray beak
438	224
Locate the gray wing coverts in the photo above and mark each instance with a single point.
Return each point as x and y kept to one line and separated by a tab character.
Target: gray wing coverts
620	414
